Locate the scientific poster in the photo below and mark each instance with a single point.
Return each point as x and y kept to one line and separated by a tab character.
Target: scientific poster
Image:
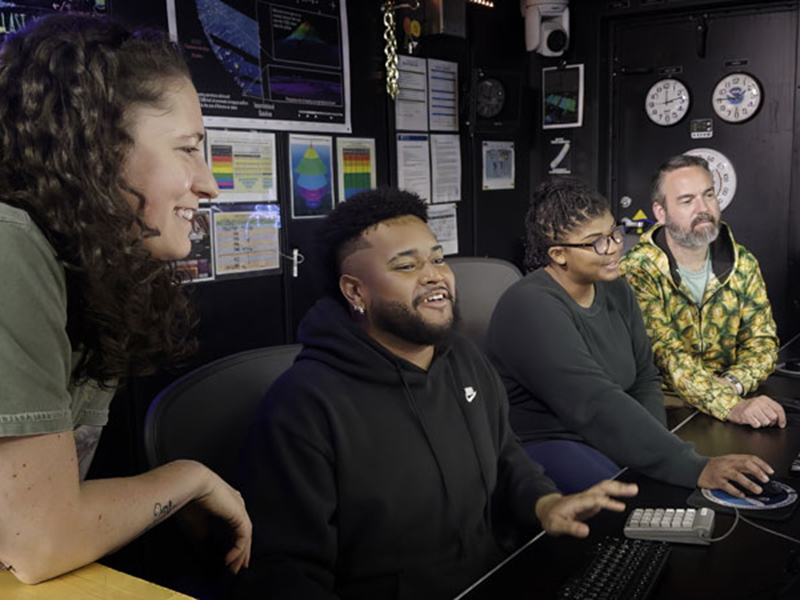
16	14
311	172
446	167
267	64
414	164
247	240
442	95
199	265
443	221
355	165
243	164
498	165
411	104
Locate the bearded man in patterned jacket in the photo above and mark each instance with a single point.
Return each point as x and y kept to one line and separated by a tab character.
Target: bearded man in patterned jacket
704	301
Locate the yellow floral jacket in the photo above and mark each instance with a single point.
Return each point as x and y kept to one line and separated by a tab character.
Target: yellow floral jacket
731	331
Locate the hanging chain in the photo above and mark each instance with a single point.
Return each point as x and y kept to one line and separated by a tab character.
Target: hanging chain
390	50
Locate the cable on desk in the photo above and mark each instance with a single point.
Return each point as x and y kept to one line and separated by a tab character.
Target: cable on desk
752	524
730	531
762	528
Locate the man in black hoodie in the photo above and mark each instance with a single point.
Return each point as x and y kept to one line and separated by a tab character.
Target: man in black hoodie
382	465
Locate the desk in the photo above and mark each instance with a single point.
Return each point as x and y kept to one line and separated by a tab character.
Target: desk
93	582
738	567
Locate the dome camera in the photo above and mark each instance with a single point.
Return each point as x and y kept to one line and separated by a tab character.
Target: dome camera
546	26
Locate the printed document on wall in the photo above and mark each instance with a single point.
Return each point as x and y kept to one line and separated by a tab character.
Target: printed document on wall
442	95
198	266
243	164
443	221
446	167
413	164
498	165
247	240
411	104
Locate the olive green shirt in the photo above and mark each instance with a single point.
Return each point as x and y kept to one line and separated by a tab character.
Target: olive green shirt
37	394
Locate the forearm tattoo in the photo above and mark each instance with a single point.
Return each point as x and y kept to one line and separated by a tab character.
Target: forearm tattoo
162	511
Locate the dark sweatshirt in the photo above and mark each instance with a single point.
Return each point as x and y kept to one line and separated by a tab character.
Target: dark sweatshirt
586	374
368	477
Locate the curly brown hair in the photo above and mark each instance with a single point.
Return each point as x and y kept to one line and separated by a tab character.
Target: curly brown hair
68	84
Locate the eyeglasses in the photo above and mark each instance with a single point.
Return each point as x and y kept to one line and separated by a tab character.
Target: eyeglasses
601	245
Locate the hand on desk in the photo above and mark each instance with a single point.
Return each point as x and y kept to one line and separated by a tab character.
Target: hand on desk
564	514
759	411
721	470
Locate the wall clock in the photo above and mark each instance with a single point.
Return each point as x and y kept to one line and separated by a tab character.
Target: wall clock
490	98
737	97
667	102
722	172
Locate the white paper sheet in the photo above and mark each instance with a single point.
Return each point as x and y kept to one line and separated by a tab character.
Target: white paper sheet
442	95
413	164
443	221
446	167
411	104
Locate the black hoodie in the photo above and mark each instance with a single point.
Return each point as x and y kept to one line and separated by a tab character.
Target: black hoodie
368	477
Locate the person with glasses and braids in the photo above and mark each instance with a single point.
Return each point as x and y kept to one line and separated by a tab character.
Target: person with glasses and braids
570	346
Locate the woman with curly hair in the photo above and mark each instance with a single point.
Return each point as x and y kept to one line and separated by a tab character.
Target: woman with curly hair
101	172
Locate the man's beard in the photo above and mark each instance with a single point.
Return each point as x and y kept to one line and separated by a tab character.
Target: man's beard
691	238
399	320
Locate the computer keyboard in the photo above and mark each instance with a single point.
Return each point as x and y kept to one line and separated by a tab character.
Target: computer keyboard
620	569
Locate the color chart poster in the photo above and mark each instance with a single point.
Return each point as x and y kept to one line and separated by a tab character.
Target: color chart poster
267	64
355	165
243	164
311	175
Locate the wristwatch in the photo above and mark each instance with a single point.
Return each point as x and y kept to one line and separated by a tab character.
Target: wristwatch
736	383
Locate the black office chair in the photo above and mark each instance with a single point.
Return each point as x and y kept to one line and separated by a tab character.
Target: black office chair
205	414
480	282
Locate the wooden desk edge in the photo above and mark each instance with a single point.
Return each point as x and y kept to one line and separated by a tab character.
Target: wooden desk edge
92	582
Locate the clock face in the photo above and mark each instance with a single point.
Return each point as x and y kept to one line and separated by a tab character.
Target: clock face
490	98
737	97
667	102
722	172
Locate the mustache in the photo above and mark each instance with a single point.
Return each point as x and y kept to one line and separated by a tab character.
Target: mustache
419	299
704	218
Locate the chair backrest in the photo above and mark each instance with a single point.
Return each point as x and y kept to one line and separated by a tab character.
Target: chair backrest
479	284
205	414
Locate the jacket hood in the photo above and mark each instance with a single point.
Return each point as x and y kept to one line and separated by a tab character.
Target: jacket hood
329	335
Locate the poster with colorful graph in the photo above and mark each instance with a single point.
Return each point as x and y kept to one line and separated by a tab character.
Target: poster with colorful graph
310	157
243	164
355	165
